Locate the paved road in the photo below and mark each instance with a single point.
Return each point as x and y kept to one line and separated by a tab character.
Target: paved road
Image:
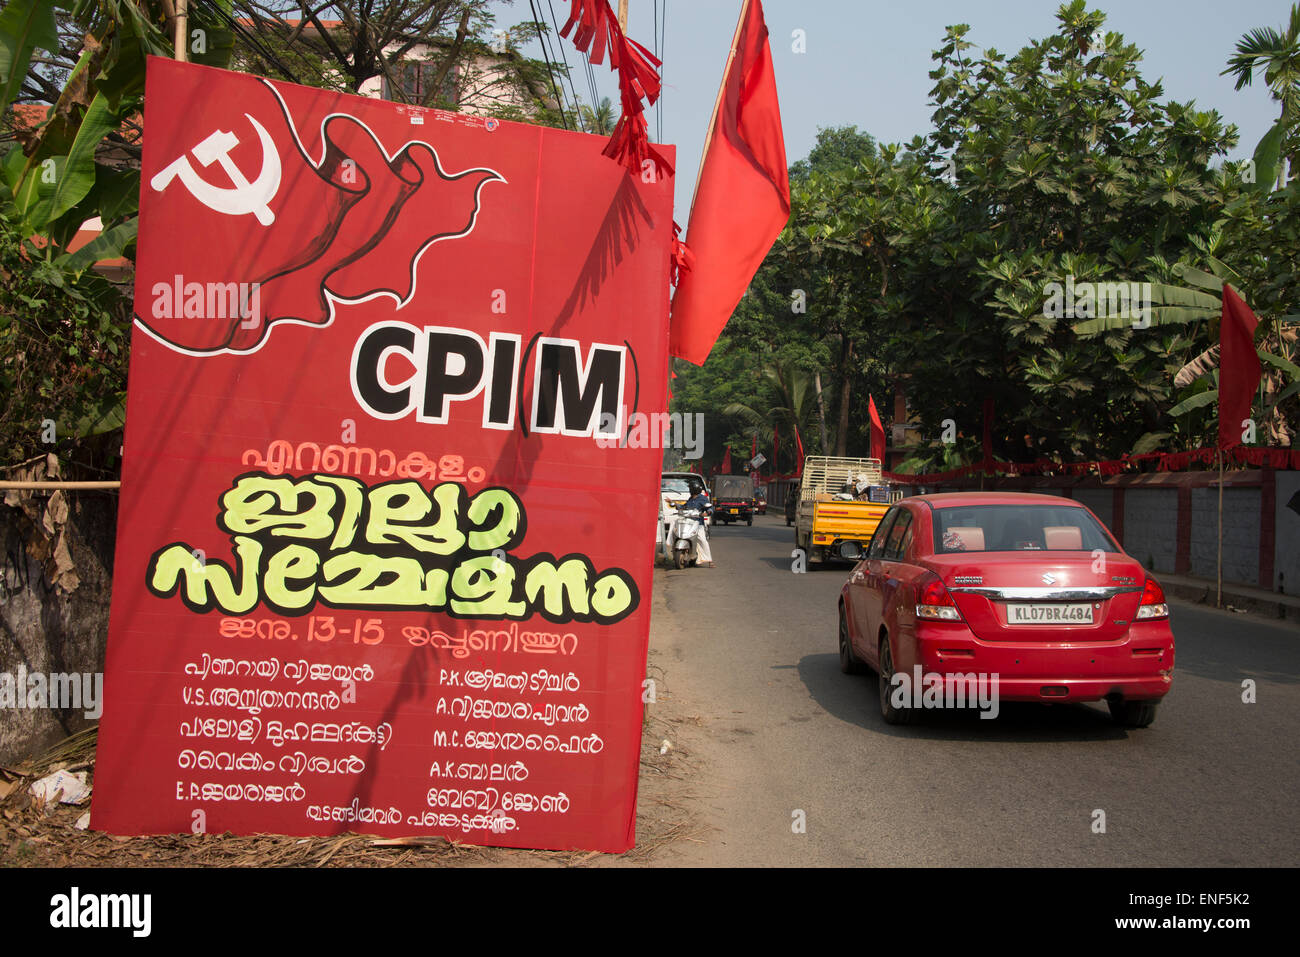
773	728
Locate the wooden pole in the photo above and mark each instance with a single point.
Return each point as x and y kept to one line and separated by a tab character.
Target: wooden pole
1219	598
717	104
622	15
58	485
182	30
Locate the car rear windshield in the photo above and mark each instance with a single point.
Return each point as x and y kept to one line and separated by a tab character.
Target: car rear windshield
733	486
1006	528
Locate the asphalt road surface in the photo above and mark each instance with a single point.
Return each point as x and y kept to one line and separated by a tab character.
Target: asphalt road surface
792	764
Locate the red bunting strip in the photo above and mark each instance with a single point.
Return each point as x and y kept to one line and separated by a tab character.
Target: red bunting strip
638	79
1163	461
682	258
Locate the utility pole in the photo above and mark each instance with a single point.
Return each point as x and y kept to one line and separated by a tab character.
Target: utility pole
821	411
182	30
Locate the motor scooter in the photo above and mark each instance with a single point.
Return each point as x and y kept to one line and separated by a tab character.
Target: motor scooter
680	545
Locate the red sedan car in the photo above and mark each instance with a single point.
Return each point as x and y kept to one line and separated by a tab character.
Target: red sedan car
1028	593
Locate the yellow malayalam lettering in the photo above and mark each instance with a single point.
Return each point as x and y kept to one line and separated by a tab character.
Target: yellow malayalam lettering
260	503
299	542
559	587
396	507
291	563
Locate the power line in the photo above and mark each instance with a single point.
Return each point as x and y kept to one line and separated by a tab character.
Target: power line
253	42
659	45
567	72
541	38
663	48
591	79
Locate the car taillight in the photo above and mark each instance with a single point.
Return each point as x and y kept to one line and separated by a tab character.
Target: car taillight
1153	601
933	601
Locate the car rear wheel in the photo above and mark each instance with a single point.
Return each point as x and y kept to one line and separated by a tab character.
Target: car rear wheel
749	521
850	664
1133	714
891	714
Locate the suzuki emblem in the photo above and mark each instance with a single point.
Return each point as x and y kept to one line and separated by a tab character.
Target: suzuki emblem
1049	579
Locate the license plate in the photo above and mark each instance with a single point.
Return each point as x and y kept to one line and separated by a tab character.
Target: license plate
1053	614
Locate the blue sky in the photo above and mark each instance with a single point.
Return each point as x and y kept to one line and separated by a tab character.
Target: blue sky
867	63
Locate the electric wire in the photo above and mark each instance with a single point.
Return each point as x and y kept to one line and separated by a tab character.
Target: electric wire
541	38
567	72
659	120
663	43
591	79
254	42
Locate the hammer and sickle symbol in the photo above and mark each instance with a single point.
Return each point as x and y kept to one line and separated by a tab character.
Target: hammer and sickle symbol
245	197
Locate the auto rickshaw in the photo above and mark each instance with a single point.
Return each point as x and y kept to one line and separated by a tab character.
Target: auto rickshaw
733	499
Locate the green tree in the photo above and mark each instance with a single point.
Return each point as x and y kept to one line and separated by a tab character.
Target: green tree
1066	166
1276	54
63	327
600	120
837	148
432	53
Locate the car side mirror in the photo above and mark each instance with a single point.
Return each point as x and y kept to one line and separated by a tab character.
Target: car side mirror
851	551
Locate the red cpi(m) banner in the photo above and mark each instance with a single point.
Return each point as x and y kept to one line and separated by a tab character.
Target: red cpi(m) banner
383	563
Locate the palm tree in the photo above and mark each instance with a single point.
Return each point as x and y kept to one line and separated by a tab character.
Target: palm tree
1277	54
791	397
601	120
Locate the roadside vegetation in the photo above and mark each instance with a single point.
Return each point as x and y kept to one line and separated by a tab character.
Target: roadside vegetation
71	119
926	266
929	265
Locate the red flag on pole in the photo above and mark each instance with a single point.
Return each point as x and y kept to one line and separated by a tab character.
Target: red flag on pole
1239	369
798	444
877	431
753	451
742	195
726	461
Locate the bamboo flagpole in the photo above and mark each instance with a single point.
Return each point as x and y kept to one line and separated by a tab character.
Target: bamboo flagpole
1218	603
182	29
717	103
6	486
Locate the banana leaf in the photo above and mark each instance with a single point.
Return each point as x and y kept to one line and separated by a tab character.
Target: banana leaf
1197	401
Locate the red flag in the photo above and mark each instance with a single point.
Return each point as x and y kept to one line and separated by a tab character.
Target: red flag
798	444
742	198
1239	369
753	450
726	461
877	431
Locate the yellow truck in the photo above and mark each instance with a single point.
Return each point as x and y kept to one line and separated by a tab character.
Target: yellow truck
831	509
